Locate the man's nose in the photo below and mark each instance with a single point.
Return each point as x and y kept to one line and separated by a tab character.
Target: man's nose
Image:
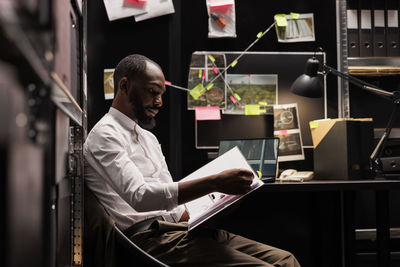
158	101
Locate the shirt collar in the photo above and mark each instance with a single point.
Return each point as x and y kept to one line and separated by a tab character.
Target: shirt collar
124	120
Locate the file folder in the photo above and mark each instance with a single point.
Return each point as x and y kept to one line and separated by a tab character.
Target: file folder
353	38
379	38
392	29
366	33
353	47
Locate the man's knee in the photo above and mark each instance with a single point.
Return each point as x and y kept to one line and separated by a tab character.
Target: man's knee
287	259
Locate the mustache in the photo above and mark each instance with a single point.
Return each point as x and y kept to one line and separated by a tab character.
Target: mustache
152	107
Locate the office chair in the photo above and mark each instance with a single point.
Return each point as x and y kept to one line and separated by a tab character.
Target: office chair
105	245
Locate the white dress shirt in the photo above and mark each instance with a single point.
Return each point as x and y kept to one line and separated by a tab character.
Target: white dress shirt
126	169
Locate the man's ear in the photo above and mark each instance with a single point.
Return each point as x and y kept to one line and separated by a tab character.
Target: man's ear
123	84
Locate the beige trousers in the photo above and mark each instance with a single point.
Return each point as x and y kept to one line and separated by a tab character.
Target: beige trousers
172	244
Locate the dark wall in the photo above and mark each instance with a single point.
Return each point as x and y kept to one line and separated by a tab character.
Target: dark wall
170	41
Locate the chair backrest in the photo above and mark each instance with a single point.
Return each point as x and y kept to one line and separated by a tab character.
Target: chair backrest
105	245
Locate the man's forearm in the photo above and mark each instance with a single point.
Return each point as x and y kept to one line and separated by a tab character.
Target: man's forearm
190	190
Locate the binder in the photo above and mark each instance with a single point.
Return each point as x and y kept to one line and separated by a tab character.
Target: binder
379	31
392	29
365	33
353	42
353	47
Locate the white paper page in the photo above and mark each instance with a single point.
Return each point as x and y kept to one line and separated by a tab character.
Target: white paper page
116	9
205	207
156	8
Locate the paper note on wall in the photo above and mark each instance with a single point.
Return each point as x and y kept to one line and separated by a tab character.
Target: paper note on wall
156	8
117	10
109	83
207	113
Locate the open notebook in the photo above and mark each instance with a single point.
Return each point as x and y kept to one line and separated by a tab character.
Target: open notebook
203	208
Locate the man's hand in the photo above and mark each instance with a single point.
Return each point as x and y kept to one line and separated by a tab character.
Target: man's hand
234	181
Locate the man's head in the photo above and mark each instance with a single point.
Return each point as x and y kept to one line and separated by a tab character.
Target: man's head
139	86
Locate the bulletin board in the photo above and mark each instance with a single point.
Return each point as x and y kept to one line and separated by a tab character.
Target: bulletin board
287	66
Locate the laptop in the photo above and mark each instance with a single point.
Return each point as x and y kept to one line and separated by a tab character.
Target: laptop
261	154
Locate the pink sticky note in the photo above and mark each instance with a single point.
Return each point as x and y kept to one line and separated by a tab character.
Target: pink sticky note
167	82
215	4
215	69
283	132
207	113
204	75
135	2
233	99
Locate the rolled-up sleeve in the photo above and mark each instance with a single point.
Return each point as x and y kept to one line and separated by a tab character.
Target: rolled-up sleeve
106	153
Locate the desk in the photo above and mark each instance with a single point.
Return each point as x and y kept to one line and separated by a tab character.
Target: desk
347	188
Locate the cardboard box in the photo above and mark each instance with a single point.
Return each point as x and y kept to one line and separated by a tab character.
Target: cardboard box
342	148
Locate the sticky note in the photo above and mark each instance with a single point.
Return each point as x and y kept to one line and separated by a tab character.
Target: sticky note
167	82
263	103
259	174
215	69
282	132
211	58
207	113
200	73
197	91
313	124
234	63
204	75
233	99
294	15
252	109
210	86
237	97
281	20
259	34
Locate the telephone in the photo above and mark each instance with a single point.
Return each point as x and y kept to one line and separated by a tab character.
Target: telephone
291	175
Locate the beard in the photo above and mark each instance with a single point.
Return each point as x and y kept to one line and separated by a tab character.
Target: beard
144	121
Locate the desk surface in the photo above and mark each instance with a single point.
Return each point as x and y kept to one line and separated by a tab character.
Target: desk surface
333	185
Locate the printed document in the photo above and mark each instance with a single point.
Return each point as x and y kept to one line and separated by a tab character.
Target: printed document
203	208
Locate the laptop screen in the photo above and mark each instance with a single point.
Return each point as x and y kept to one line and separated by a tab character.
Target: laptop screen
261	154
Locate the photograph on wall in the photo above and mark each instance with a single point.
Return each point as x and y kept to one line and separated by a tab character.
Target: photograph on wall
206	82
287	129
109	83
251	89
298	28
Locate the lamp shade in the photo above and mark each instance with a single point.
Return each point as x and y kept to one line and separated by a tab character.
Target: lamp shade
309	84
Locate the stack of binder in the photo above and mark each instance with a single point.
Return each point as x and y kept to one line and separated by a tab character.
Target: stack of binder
373	28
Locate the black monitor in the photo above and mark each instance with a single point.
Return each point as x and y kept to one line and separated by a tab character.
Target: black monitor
208	133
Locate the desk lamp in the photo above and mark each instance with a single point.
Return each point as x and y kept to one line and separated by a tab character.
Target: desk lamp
309	84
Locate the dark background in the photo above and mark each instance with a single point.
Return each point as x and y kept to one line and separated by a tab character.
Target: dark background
306	224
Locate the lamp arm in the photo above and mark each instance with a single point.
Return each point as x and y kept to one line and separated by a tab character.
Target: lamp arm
357	82
376	154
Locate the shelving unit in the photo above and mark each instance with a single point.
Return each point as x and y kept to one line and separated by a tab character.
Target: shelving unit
52	122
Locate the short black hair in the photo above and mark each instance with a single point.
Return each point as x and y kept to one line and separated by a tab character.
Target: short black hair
130	66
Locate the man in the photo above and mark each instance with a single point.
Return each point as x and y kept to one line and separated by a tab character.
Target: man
125	168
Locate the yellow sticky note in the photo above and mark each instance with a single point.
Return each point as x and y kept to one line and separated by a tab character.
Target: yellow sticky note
200	73
281	20
252	109
234	63
313	124
259	174
211	58
259	34
263	103
294	15
210	86
197	91
237	97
